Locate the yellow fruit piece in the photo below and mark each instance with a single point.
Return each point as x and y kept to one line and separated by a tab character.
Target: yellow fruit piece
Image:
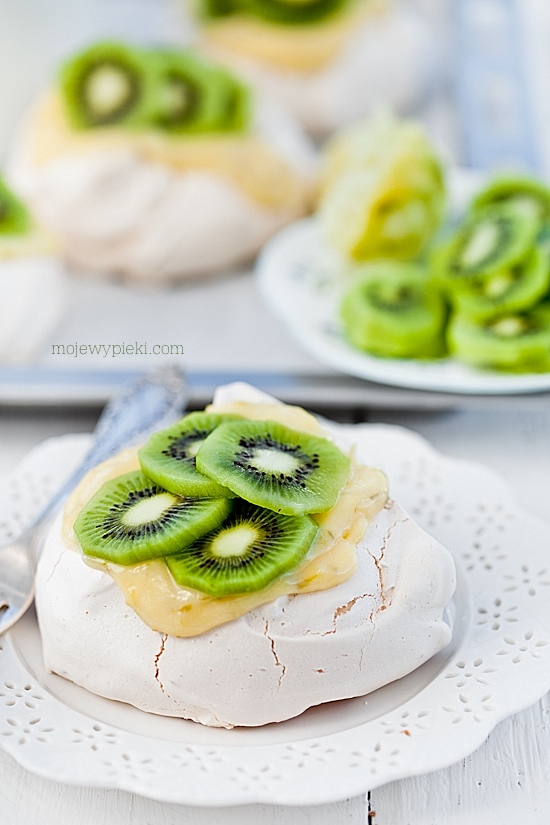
382	190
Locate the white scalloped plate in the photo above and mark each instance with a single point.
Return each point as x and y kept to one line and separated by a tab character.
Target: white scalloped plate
496	664
303	280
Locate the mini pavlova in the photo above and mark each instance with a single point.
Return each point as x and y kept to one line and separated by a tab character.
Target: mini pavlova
157	165
239	568
329	62
32	282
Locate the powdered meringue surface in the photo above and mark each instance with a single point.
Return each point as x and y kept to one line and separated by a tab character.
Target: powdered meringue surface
272	663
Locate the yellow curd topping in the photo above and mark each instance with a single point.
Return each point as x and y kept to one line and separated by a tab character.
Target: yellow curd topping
245	160
168	608
300	48
28	245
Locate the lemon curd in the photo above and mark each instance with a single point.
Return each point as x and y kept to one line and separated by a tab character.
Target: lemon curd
177	611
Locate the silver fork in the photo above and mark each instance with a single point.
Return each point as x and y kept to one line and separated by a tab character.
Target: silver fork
154	401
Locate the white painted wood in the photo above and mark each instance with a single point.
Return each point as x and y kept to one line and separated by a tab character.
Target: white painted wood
505	782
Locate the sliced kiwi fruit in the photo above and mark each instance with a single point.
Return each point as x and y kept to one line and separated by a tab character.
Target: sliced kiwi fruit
235	102
195	96
289	12
130	520
392	309
168	458
492	239
515	342
520	189
273	466
107	84
217	8
14	217
510	290
251	549
292	12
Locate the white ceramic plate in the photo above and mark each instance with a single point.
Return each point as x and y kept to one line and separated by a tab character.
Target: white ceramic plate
303	280
496	664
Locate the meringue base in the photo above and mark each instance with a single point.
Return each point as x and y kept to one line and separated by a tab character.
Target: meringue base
155	209
274	662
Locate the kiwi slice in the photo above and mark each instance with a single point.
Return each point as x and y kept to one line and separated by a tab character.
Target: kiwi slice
515	342
393	310
217	8
14	217
235	102
130	520
519	188
489	240
107	84
194	96
292	12
251	549
272	466
506	291
169	456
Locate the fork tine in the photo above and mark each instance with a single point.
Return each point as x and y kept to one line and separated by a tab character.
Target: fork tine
11	613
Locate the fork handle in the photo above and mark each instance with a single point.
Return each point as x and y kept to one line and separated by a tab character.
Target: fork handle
154	401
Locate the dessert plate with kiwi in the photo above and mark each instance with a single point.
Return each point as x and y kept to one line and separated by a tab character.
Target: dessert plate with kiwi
62	731
470	315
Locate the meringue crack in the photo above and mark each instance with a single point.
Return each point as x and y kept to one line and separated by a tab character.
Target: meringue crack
340	611
54	568
163	639
274	652
378	560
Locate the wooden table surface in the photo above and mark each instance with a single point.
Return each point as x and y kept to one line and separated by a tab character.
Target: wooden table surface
506	781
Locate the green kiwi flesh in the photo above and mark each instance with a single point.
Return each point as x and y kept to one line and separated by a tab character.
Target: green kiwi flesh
195	96
169	457
107	84
173	90
505	188
275	467
251	549
516	342
292	12
130	520
282	12
489	240
511	290
392	309
14	218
